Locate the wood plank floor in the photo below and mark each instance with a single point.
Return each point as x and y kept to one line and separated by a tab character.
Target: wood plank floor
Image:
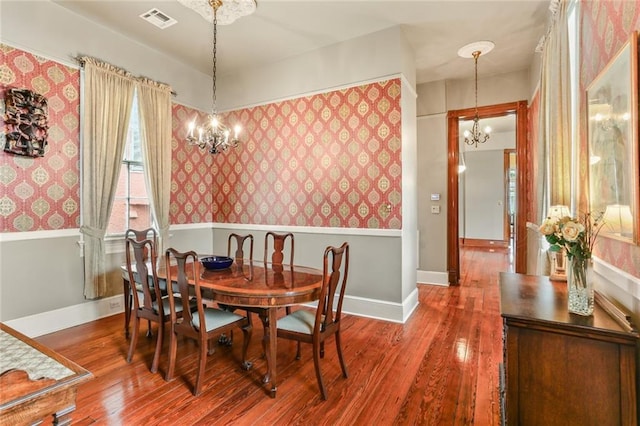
440	368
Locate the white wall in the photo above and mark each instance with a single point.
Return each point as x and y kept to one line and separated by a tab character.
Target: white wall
358	61
483	188
49	30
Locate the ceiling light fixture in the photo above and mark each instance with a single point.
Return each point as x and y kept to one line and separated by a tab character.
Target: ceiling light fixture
214	135
474	50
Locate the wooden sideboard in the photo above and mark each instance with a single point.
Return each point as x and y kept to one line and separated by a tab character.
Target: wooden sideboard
560	368
35	382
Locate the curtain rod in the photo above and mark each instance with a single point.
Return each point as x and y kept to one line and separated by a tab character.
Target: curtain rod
81	61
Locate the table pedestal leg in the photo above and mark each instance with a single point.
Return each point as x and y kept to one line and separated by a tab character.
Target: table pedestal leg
269	340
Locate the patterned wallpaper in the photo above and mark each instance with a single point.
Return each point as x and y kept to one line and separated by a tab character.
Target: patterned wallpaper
42	193
331	159
606	26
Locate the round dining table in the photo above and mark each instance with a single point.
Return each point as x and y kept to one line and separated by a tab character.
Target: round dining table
262	285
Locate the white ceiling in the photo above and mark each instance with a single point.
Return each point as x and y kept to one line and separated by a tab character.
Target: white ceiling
286	28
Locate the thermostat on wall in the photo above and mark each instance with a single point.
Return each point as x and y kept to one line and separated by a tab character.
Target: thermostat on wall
435	197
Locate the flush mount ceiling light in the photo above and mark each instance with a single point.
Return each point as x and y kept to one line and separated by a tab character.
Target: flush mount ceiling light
227	12
474	50
214	135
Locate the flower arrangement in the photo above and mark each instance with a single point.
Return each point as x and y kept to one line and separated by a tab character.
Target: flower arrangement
576	236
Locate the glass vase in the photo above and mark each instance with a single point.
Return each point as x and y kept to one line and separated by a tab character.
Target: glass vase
580	286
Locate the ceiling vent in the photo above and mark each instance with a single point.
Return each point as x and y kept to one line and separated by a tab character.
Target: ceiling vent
158	18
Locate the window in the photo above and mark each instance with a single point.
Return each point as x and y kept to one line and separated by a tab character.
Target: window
131	207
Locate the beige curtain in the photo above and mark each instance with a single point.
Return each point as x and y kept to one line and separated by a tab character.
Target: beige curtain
555	114
154	100
107	99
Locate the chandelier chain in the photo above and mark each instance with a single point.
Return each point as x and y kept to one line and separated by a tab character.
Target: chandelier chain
215	50
475	58
214	135
475	136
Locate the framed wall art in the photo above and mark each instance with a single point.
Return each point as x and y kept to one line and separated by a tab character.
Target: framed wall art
614	177
26	122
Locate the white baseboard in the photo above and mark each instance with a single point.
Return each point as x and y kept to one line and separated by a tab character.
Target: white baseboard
70	316
382	310
435	278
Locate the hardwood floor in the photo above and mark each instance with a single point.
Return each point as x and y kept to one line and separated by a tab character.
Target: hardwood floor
440	368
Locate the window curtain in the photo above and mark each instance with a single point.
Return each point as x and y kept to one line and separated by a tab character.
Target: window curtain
107	100
154	100
555	114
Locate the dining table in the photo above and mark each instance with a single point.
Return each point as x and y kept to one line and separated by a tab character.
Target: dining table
257	284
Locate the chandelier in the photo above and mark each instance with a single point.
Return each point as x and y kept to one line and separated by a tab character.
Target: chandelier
475	135
214	135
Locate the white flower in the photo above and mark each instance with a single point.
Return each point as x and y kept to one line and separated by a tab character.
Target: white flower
572	230
548	227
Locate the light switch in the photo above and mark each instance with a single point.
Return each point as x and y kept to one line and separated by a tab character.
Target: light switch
435	209
435	197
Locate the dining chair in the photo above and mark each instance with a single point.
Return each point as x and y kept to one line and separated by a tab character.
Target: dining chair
240	240
239	260
277	255
138	235
278	242
204	324
148	301
315	327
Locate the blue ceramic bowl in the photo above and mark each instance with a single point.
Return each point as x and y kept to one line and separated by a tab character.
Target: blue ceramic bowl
216	262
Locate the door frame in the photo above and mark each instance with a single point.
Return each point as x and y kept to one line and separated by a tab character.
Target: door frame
519	108
507	219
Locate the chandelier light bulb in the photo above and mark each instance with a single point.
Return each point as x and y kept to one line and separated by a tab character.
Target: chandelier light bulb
487	129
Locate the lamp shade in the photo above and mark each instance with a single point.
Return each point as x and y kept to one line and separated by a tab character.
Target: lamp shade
558	212
618	219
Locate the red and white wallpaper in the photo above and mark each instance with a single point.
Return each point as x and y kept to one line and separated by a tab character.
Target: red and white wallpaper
327	160
606	27
42	193
331	159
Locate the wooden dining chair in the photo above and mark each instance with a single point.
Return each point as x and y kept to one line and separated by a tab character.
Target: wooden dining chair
278	242
315	327
138	235
240	240
148	301
277	255
239	259
204	324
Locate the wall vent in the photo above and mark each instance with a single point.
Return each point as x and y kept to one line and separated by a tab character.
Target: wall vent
158	18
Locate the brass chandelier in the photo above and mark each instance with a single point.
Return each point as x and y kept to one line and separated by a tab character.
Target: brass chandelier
214	135
475	136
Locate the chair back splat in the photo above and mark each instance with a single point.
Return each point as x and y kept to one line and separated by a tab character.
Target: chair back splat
279	241
144	234
333	263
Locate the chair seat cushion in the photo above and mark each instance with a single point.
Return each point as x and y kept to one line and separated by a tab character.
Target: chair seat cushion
216	318
300	321
179	307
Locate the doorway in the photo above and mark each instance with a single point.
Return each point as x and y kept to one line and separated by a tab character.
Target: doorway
521	178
